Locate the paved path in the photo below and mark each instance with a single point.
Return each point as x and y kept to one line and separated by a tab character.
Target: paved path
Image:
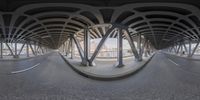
107	70
161	79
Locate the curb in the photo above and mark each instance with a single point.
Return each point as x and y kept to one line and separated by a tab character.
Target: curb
103	78
182	57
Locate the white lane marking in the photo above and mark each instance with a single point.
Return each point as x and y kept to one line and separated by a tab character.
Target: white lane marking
173	62
15	72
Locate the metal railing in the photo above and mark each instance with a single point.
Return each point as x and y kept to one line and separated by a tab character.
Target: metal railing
109	53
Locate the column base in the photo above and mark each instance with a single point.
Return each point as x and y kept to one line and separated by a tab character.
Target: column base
119	65
140	59
16	56
92	64
84	63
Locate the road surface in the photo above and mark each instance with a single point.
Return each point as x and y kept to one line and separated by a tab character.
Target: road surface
50	78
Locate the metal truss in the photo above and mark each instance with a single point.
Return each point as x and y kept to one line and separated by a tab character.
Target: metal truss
51	24
121	32
16	51
181	48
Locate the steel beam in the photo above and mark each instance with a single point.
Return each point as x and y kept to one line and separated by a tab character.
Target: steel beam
133	48
35	48
143	47
27	49
148	48
32	49
1	48
186	50
196	46
85	61
190	49
179	46
174	47
170	49
72	47
139	46
10	50
21	49
68	47
42	50
119	48
64	47
101	43
80	50
15	55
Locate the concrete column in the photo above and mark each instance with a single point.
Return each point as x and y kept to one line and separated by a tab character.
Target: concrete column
119	49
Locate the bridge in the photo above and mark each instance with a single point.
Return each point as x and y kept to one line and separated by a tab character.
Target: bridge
99	50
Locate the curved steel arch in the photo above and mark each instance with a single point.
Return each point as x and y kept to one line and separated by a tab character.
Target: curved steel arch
12	33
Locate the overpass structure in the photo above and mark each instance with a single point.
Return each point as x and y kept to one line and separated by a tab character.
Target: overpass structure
33	29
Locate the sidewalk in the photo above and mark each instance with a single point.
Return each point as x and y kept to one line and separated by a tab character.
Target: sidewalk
21	57
106	70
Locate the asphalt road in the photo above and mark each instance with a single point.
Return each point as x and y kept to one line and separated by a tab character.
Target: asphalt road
164	78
